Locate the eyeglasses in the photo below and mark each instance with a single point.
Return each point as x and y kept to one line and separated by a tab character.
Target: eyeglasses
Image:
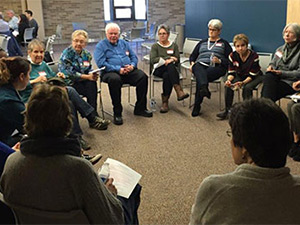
213	30
229	132
162	34
79	41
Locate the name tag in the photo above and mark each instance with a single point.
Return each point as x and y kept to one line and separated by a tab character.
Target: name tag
42	73
170	51
219	44
127	53
278	54
86	63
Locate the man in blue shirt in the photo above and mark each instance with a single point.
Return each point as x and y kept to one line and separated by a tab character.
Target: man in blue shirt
121	67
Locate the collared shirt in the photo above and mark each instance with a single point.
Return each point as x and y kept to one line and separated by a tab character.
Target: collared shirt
73	64
13	23
114	56
3	26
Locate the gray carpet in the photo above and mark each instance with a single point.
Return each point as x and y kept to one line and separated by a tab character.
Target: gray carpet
174	152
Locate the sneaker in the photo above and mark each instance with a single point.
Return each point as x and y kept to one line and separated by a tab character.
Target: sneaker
99	124
93	159
84	144
105	121
223	115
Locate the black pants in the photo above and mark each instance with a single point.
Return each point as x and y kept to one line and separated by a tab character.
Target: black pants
88	89
247	90
170	77
274	88
135	78
204	75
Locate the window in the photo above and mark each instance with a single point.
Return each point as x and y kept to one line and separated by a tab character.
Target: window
125	10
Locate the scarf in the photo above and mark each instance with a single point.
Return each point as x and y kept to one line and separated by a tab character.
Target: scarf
50	146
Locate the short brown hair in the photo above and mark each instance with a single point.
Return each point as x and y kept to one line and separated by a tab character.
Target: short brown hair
48	113
241	37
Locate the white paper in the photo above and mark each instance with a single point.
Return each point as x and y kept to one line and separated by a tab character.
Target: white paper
125	178
295	97
160	63
15	33
98	70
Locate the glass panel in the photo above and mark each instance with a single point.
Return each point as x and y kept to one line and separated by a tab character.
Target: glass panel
106	10
123	13
122	3
140	9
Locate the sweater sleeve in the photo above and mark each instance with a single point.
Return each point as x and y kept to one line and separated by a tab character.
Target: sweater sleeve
227	51
66	66
100	206
154	57
177	53
195	53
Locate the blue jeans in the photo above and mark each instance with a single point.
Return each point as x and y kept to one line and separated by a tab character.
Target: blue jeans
77	104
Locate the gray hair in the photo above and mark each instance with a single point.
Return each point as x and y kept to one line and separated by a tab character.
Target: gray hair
110	26
10	11
295	27
215	23
165	27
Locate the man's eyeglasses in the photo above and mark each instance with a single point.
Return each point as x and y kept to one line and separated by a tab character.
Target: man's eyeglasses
160	34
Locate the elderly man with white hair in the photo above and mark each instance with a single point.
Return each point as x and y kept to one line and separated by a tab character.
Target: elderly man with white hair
209	61
121	68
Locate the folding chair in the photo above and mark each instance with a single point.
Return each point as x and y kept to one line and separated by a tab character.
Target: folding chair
28	35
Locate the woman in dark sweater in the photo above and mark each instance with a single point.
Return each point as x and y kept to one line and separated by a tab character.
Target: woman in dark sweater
243	72
23	24
209	61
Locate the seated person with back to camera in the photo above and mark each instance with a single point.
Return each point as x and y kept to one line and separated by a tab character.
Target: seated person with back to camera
121	68
49	158
261	190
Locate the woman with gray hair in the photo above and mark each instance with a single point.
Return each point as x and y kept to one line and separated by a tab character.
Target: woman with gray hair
169	53
284	68
209	61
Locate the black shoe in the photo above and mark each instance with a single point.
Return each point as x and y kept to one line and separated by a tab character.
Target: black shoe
118	120
294	149
84	144
223	115
144	113
205	92
196	111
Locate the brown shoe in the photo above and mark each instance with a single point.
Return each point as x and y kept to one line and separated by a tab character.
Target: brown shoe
165	104
180	94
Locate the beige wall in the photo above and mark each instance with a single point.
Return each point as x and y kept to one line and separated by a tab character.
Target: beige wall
293	9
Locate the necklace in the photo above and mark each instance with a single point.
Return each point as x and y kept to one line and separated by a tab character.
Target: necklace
208	44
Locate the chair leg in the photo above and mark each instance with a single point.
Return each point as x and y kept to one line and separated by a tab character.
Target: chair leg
191	93
220	96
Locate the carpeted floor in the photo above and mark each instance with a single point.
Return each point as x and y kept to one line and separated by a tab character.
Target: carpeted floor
174	152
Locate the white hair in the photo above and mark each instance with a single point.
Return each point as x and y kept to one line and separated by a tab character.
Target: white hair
215	23
110	26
